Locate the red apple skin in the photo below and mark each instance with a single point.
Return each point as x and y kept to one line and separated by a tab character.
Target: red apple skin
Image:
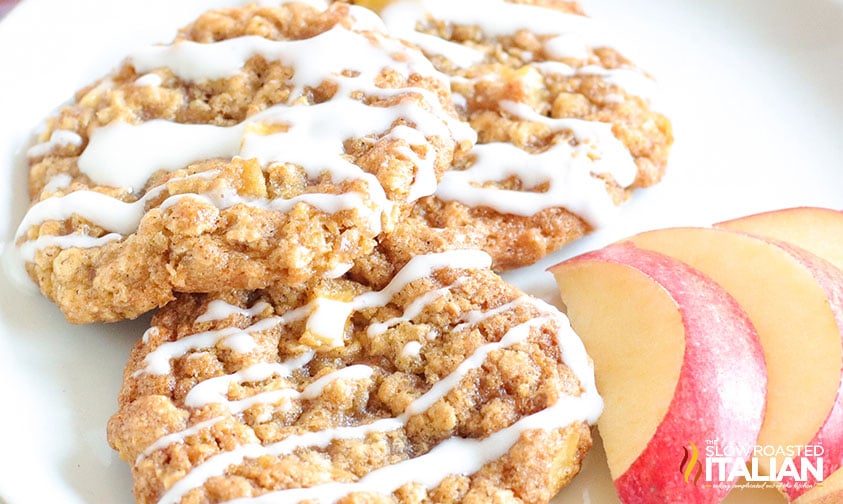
720	395
807	227
830	435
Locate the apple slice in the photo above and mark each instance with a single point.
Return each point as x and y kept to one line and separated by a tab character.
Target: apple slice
817	230
795	301
830	491
677	362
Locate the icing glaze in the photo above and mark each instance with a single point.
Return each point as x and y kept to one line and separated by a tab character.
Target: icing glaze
313	138
412	349
220	310
177	437
58	138
614	157
452	456
149	80
326	322
568	171
573	35
58	182
411	311
631	80
121	217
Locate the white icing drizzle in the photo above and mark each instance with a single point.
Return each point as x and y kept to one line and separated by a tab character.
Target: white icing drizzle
615	98
586	407
57	182
270	397
453	456
462	56
440	389
339	270
152	332
58	138
107	212
425	181
401	19
412	310
304	144
566	170
613	157
494	17
355	372
158	362
216	465
220	310
227	197
632	80
566	45
326	316
74	240
420	267
475	317
500	18
366	19
314	137
176	146
215	390
102	210
177	437
460	101
412	349
193	61
149	80
241	343
570	182
338	49
327	321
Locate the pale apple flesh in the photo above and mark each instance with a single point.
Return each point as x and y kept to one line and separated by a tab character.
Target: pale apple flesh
830	491
820	232
830	435
677	362
637	383
793	298
817	230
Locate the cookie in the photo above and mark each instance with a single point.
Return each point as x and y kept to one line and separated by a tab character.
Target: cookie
566	124
266	144
446	385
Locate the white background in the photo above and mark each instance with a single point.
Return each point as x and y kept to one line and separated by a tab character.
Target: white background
754	87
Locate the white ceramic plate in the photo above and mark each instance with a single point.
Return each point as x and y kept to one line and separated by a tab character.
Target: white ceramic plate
754	87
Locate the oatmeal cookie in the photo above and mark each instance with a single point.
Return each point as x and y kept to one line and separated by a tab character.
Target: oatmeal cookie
445	385
265	144
566	124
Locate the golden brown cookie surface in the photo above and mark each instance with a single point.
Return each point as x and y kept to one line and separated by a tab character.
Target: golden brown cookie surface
265	144
566	124
447	384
